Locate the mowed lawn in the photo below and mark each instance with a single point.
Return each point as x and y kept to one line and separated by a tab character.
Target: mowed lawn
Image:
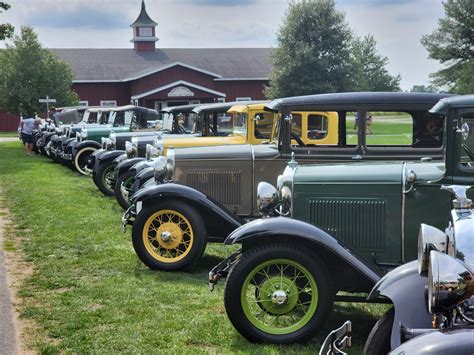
90	293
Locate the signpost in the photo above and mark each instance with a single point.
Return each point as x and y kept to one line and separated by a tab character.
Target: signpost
47	100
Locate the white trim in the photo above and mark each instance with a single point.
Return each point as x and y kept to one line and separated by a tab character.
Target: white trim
108	103
84	103
221	100
176	83
149	72
245	98
239	79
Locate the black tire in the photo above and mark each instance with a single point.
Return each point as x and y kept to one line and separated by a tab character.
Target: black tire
79	160
151	252
379	340
128	178
100	176
250	261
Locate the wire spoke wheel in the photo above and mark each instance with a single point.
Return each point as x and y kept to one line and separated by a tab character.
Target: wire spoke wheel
279	296
168	236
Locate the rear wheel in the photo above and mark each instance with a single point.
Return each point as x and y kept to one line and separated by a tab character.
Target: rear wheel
379	340
278	293
102	176
126	180
80	159
169	236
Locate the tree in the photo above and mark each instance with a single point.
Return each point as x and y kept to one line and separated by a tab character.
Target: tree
423	88
313	51
6	30
29	72
452	43
369	71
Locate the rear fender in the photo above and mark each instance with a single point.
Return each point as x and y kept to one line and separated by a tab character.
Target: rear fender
125	165
353	273
219	221
406	289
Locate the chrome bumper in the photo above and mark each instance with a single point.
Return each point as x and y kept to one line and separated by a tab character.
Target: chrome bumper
125	192
128	218
338	340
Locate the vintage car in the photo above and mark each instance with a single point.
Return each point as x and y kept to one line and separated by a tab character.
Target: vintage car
440	320
214	189
349	224
216	127
102	162
121	119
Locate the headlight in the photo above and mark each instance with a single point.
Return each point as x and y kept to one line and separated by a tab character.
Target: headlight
450	282
58	130
170	163
84	133
153	152
159	166
102	142
267	197
429	238
130	149
107	143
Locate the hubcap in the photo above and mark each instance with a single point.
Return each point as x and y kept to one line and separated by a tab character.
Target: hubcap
279	297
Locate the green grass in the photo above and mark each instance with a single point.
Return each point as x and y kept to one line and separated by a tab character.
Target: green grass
8	134
90	293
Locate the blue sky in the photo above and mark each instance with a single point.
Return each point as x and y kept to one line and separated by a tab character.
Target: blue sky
397	25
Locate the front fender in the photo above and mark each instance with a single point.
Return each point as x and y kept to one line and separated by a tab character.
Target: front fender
125	165
111	154
141	165
460	341
297	230
406	289
120	158
85	144
219	220
142	177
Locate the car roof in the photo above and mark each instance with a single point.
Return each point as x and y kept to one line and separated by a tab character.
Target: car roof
356	100
447	103
242	108
181	108
222	107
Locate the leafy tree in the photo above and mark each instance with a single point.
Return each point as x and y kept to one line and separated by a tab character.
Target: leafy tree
452	43
313	51
29	72
423	88
6	30
369	71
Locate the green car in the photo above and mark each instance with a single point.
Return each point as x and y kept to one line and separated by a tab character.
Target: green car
349	224
122	119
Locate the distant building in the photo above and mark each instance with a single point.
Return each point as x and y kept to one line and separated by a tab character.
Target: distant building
160	77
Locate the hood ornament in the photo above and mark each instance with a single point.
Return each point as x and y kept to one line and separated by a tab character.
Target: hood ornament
461	201
293	163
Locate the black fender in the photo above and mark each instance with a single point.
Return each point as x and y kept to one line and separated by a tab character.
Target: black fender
406	289
459	341
85	144
141	165
218	219
120	158
105	157
142	177
338	257
125	165
65	143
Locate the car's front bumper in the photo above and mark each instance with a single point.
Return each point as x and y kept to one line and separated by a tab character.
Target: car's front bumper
128	217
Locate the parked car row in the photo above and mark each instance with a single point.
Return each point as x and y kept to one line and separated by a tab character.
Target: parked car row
345	210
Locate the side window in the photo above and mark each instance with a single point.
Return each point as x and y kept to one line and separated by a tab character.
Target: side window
466	141
225	125
296	124
317	127
263	125
389	128
428	130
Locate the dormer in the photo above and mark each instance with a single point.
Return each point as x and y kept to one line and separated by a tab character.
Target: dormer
144	38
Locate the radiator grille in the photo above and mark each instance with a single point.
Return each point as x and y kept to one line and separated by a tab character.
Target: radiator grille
222	185
358	223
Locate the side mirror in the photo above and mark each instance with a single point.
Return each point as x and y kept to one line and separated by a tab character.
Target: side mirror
464	130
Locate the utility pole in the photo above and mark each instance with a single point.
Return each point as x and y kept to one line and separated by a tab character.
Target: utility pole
47	101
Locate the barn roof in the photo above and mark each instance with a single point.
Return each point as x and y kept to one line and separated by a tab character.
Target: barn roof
101	65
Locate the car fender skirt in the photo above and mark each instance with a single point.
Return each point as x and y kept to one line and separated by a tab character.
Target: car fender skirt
220	220
112	154
297	230
85	144
125	165
406	289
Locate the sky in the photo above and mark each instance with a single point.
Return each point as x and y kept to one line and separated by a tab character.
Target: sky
397	25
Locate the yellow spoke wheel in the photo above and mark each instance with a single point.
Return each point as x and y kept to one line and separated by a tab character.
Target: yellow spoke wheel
168	236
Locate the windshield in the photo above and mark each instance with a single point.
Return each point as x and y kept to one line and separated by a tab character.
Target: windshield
188	122
89	117
263	125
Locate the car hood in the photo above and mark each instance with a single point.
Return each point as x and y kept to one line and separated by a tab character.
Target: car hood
376	172
228	152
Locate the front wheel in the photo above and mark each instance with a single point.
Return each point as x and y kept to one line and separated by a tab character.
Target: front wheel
278	293
102	176
80	159
123	184
379	339
169	236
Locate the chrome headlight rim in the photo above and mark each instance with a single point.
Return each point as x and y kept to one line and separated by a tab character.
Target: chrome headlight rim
160	165
450	282
170	163
113	137
153	152
429	238
267	197
130	149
